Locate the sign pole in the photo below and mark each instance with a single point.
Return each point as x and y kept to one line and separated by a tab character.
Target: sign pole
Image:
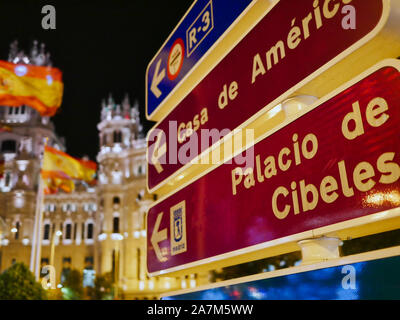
39	229
34	235
36	238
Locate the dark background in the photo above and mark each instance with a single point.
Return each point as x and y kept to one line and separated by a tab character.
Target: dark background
101	47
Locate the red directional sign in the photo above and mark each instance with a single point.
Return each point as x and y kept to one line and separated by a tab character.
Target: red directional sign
338	162
269	63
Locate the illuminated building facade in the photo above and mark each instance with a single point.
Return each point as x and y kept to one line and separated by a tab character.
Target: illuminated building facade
95	230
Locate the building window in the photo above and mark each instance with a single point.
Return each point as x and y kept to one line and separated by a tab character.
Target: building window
75	230
90	231
116	225
17	226
116	200
7	180
61	228
83	231
117	137
68	231
9	146
46	233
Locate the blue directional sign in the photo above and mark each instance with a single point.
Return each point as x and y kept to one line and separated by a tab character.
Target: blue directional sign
374	279
203	24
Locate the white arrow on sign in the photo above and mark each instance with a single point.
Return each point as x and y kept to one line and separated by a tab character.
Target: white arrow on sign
158	236
157	78
158	152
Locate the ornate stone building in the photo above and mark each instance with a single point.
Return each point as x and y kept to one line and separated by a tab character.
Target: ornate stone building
123	201
97	229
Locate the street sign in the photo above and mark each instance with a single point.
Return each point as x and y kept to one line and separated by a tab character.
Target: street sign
367	276
203	24
334	167
262	70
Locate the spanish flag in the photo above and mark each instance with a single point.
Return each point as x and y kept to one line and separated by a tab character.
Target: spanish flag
60	169
53	184
60	165
38	87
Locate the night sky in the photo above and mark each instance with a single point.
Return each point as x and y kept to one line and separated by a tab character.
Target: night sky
101	47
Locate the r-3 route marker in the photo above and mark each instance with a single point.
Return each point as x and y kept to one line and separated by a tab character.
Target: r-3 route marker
199	30
266	68
334	168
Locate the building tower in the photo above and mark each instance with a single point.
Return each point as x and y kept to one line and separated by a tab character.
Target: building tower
122	198
123	201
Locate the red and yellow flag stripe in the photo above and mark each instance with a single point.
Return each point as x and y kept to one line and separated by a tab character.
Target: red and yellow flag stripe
36	86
